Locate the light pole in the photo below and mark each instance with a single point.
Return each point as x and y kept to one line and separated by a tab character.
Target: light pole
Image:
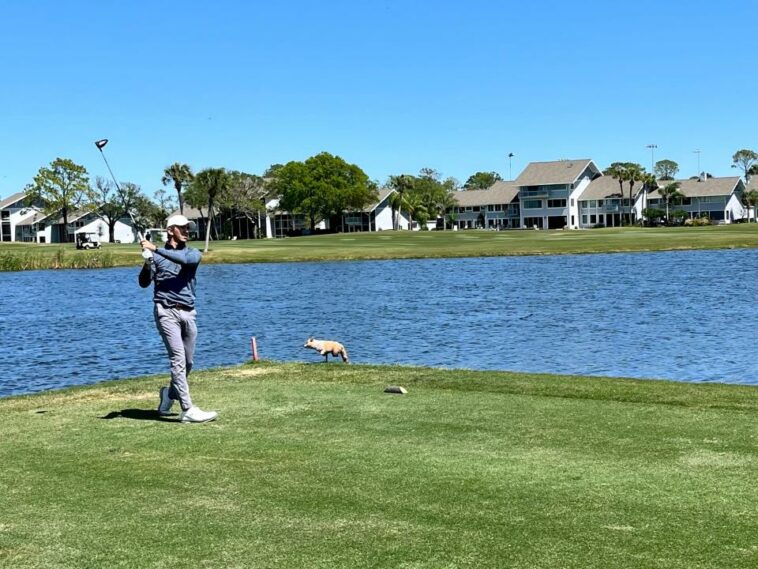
510	169
698	161
652	148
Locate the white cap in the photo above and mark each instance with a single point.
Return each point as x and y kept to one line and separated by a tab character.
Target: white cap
177	220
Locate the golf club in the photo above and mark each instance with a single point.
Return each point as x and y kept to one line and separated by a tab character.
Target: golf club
100	145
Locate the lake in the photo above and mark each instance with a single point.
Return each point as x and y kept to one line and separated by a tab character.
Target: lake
675	315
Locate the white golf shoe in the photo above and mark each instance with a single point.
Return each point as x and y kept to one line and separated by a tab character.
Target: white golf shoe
197	415
164	407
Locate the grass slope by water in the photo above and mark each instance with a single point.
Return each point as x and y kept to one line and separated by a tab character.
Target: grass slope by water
401	245
314	466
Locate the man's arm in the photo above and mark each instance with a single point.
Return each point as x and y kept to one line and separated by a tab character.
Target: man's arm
186	256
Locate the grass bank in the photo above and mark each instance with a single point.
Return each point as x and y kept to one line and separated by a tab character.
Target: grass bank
404	245
314	466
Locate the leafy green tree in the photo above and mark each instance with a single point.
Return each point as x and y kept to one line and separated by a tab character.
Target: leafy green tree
246	196
653	214
272	170
145	212
322	187
165	204
666	169
745	160
670	194
211	182
179	175
114	202
63	188
481	180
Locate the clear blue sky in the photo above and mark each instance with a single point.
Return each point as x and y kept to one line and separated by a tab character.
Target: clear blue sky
390	85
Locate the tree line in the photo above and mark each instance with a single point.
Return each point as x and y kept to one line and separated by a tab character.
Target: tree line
320	188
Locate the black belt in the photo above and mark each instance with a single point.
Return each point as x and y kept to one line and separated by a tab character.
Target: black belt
179	307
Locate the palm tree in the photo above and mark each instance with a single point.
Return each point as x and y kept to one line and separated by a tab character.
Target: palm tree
750	199
179	175
445	203
649	184
670	193
400	184
396	203
415	207
212	182
617	171
633	173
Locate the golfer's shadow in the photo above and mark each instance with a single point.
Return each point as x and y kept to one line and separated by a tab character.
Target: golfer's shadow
141	415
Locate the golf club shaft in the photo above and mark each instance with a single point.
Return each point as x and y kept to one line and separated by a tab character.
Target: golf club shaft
129	211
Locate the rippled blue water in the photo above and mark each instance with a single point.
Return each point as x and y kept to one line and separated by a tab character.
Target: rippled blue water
678	315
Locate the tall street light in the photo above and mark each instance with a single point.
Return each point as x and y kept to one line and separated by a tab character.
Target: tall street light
652	148
698	161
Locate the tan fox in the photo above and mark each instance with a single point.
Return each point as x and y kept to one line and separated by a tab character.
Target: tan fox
326	347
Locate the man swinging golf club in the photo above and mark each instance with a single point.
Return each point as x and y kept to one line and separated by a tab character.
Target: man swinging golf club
172	268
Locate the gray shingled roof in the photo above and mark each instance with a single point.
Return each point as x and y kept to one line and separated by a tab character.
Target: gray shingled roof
12	199
710	187
605	187
383	193
36	218
500	192
550	173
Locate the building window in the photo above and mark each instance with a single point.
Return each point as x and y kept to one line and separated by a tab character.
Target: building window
532	204
599	203
584	219
572	203
556	203
593	219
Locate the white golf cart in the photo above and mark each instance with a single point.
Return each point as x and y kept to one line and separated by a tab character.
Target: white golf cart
87	240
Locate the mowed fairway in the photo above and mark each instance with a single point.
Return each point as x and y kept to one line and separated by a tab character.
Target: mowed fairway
313	466
402	245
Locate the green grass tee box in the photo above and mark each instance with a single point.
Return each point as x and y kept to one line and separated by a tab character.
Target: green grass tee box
315	466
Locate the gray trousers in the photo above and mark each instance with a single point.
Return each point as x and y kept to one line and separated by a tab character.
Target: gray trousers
179	332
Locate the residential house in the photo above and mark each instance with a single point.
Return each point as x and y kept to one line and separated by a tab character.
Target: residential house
14	210
497	207
34	228
602	203
378	216
39	227
93	222
549	191
718	199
